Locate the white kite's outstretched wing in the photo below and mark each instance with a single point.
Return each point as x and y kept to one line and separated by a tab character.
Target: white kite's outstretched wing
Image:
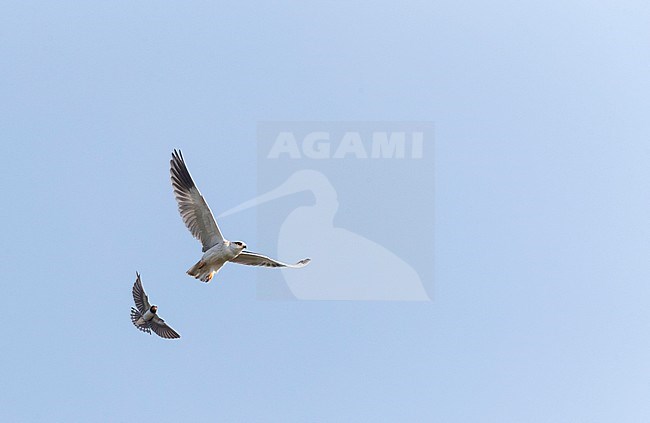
194	210
254	259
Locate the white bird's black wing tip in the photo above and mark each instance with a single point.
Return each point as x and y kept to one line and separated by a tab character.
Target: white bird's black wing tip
302	263
181	178
250	258
194	211
177	155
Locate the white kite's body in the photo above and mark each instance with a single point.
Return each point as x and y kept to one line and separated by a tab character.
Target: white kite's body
199	220
214	259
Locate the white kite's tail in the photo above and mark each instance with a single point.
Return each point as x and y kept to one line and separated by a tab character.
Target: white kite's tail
202	271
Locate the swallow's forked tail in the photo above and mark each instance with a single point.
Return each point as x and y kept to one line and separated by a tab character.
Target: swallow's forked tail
202	272
135	316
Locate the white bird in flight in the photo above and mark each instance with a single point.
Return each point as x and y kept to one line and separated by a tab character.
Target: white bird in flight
199	220
145	317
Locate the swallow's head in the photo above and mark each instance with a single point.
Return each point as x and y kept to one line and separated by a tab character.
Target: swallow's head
239	246
153	309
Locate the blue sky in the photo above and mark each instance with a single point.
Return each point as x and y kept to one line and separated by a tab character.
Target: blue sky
540	305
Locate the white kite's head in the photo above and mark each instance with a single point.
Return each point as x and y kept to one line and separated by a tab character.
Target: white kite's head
237	246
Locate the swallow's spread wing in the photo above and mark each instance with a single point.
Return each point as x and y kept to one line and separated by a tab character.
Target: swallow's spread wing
254	259
163	330
139	296
194	210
